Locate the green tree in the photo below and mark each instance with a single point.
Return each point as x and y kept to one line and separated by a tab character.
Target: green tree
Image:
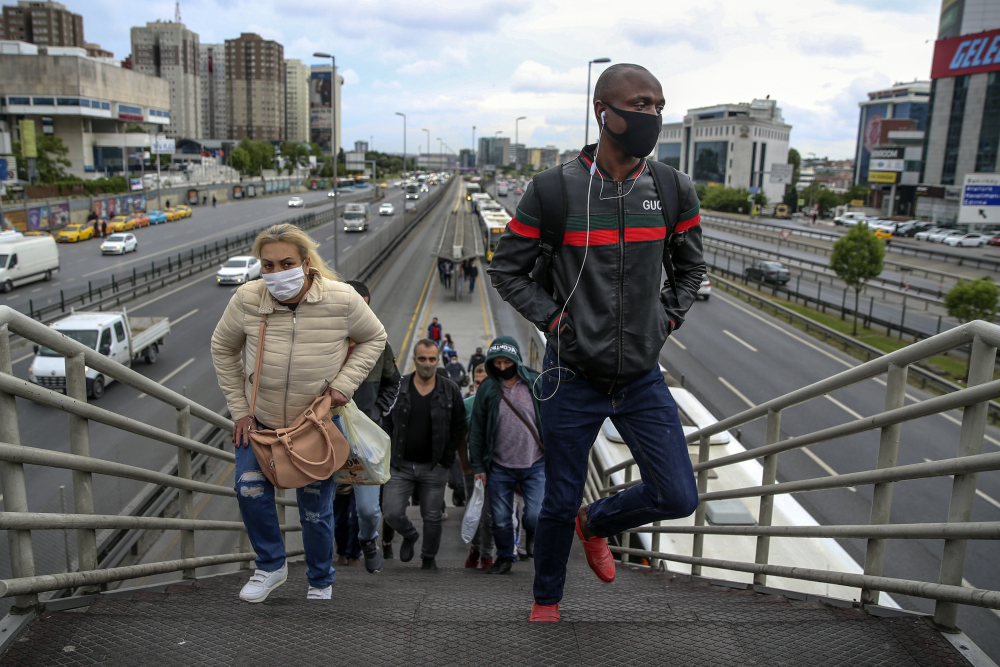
855	192
817	193
49	164
857	258
973	300
239	159
730	200
791	198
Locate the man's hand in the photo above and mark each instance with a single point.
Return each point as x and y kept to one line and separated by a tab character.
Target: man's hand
481	476
241	432
338	400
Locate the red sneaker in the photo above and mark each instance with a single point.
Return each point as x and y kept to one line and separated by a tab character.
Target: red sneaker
544	612
599	557
487	563
472	562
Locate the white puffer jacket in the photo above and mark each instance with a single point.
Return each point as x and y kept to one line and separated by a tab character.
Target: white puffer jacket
304	350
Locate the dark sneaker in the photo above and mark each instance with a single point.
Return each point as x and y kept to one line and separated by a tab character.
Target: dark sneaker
472	562
502	566
428	564
373	558
406	551
529	543
523	557
387	550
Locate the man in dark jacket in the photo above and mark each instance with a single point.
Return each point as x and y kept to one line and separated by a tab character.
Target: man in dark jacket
607	313
504	445
427	424
475	360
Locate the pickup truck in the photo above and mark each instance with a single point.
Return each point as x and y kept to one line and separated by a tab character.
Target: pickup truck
112	333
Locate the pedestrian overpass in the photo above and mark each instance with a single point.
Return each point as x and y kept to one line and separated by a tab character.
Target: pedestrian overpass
649	615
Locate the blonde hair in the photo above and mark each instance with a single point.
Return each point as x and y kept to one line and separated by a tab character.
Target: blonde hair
289	233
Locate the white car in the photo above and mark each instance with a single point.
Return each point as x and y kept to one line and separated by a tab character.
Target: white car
940	236
296	202
926	234
386	209
966	240
119	244
332	192
705	290
238	270
849	219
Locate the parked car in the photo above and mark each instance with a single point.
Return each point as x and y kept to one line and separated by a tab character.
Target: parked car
705	290
943	234
971	240
296	202
157	217
386	209
74	233
993	240
141	219
849	219
173	214
121	223
882	234
185	210
238	270
771	272
926	233
119	244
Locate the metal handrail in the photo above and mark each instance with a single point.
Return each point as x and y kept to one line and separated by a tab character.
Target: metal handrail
983	339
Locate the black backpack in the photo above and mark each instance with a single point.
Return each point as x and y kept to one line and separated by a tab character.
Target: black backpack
549	187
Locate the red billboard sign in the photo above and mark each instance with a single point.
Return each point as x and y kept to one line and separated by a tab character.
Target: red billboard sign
968	54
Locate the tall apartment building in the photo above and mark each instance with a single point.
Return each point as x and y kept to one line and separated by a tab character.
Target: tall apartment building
43	23
324	109
360	146
296	101
170	51
214	106
255	87
494	151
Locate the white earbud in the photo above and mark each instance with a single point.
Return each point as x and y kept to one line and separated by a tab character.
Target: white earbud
602	117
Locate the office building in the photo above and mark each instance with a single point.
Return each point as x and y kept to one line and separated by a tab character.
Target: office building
734	145
324	107
568	156
963	120
255	88
85	102
42	23
518	154
171	52
296	101
494	151
213	104
466	159
360	146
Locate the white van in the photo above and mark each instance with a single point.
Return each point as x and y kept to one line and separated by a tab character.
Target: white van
25	259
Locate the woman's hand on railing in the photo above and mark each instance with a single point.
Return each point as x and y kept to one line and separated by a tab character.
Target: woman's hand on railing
337	398
241	432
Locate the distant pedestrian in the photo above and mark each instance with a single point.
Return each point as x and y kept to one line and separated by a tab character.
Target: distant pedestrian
213	201
814	217
447	347
204	199
481	551
441	263
447	273
476	359
505	446
434	331
459	274
104	227
426	424
472	273
456	371
168	204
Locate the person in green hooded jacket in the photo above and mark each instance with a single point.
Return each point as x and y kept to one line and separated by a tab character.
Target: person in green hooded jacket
505	447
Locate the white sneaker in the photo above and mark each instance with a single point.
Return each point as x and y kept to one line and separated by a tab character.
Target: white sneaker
320	593
262	583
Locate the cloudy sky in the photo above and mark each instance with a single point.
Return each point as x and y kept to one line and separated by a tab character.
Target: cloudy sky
450	65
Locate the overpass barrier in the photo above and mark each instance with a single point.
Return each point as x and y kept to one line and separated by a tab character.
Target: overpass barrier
607	478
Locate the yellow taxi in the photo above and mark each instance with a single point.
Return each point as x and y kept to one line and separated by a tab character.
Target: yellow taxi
36	233
185	210
74	233
173	214
120	223
383	184
882	234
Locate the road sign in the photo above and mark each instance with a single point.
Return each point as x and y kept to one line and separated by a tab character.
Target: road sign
162	146
802	202
781	173
785	233
857	202
750	199
28	147
980	199
354	161
754	190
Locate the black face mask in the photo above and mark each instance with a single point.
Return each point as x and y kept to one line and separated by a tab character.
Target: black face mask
642	130
508	372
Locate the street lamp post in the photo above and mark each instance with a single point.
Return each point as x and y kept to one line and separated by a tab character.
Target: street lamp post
586	131
441	153
428	143
495	166
475	162
404	143
517	144
333	149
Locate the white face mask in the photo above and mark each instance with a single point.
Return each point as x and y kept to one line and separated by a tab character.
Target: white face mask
285	285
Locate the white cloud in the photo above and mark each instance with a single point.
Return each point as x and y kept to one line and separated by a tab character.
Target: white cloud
351	77
450	57
266	32
531	76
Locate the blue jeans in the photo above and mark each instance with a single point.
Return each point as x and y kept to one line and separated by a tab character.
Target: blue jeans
356	517
260	517
645	415
500	483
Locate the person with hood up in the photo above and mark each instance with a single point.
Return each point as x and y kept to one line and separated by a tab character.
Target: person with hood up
505	446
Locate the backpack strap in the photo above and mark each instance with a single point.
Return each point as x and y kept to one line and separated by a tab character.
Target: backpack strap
671	211
549	187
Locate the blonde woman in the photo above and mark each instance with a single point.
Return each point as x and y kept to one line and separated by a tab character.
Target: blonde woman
311	315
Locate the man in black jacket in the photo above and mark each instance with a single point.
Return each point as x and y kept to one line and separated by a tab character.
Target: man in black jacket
427	424
606	313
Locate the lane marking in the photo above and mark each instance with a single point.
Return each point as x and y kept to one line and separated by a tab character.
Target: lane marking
740	341
482	304
843	407
737	392
416	311
37	289
679	344
166	294
991	500
172	373
822	464
183	317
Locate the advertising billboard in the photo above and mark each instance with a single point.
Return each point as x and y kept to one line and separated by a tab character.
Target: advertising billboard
16	219
886	159
192	197
237	192
966	54
882	176
38	218
58	215
321	109
980	199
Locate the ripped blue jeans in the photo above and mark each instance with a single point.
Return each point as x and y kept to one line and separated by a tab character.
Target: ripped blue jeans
260	516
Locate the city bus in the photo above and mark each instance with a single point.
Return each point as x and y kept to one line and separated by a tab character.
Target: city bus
360	182
495	222
345	184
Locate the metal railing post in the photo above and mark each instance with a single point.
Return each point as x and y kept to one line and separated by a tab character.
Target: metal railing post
245	548
963	490
773	434
22	557
83	482
698	543
623	538
888	450
185	497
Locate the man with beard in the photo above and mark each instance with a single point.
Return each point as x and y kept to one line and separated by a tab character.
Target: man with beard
426	424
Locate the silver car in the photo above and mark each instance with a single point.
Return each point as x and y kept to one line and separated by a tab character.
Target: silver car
386	209
238	270
296	202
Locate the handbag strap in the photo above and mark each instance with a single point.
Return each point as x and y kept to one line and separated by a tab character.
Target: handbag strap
258	362
524	421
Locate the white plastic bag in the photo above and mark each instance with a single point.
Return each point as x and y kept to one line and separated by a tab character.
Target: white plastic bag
473	511
369	460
